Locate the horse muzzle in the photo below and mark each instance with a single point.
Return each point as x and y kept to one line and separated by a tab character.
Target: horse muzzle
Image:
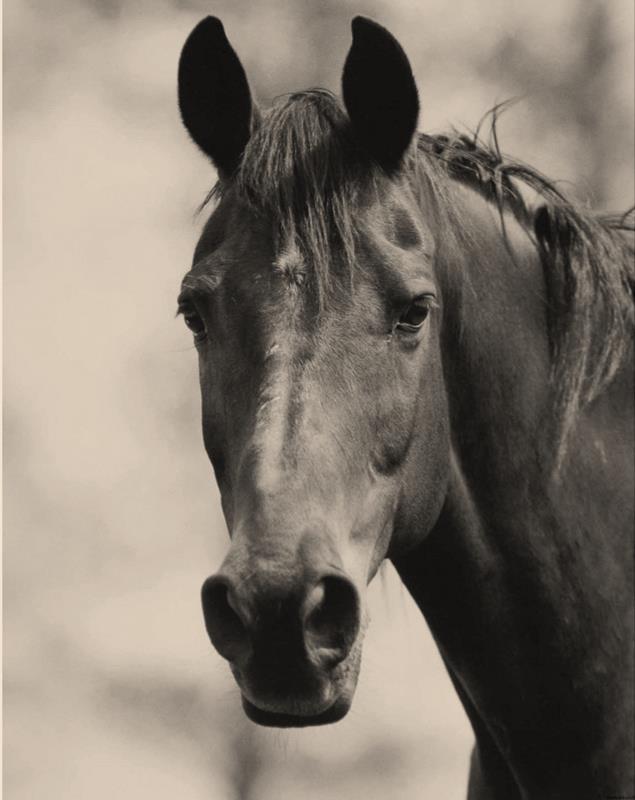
292	637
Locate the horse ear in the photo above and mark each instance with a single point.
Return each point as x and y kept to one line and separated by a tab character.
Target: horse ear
214	97
380	93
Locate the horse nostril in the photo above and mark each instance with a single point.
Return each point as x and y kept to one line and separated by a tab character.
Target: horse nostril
225	625
332	619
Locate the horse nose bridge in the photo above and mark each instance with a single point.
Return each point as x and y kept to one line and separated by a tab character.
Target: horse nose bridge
275	558
294	454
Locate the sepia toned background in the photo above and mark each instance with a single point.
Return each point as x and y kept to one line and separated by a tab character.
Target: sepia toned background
111	518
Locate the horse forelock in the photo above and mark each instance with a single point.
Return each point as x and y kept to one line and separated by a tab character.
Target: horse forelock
303	171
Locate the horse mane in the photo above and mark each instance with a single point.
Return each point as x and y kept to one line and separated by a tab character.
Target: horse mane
303	169
587	259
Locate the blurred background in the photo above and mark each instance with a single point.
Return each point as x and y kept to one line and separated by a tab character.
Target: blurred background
111	515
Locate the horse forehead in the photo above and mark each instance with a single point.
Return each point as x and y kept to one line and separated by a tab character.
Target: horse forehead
245	251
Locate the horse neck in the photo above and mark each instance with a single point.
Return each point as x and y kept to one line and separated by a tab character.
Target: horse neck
513	578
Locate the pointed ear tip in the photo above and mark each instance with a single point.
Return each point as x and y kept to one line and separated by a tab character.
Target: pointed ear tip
210	21
210	26
360	23
207	36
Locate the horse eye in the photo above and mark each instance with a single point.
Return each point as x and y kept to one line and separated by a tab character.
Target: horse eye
415	315
195	324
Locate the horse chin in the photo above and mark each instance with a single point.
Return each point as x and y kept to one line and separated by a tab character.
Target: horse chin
277	719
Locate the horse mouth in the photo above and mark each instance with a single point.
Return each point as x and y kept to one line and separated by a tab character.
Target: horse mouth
276	719
299	698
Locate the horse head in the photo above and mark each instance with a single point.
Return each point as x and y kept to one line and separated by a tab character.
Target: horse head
315	311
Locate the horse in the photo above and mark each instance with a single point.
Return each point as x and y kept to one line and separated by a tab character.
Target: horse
414	348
